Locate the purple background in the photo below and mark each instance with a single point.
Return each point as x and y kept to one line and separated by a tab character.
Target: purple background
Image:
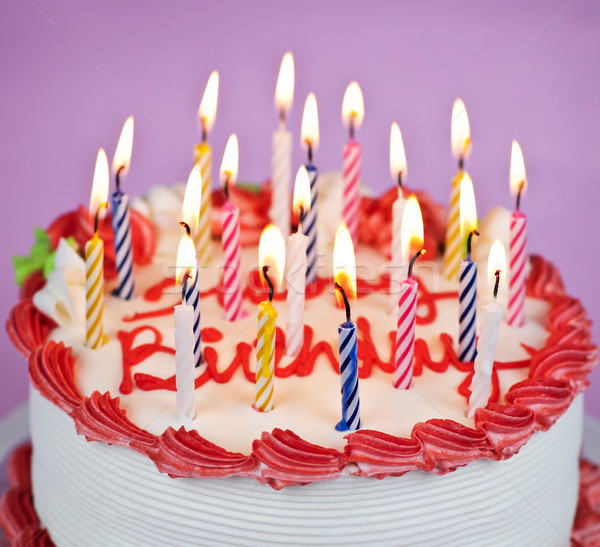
73	71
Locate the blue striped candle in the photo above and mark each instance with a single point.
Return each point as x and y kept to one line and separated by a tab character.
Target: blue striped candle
467	297
192	298
121	226
309	226
348	348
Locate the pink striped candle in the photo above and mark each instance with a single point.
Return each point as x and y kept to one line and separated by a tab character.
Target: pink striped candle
517	252
405	335
351	192
353	112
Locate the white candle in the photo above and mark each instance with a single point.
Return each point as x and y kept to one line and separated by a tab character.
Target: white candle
398	170
281	159
296	268
488	336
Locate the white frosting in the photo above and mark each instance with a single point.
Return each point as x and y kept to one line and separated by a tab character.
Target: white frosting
96	494
311	405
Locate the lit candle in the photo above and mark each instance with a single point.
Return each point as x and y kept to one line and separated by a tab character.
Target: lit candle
230	221
281	159
517	251
203	152
192	298
94	258
353	112
183	316
412	234
461	144
345	285
488	336
121	223
296	268
467	276
271	258
309	135
398	170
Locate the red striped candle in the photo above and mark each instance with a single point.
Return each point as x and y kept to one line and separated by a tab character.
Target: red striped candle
405	335
351	195
517	251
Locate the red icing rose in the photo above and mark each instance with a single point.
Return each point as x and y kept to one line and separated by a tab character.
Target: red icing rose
77	224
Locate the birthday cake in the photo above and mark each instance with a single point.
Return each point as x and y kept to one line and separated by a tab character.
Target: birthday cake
113	464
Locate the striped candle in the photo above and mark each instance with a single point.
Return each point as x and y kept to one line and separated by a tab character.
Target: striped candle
398	264
453	240
265	356
517	254
467	296
351	192
405	335
348	349
192	297
202	240
94	290
232	267
183	316
309	226
484	362
121	226
281	174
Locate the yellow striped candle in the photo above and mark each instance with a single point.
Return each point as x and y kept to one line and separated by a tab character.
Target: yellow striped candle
461	141
271	256
94	291
203	159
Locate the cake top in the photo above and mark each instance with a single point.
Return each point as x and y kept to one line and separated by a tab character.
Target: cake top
123	393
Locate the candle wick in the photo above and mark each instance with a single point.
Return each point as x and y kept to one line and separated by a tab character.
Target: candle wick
204	131
300	218
412	262
184	283
346	303
352	116
187	228
469	238
519	194
400	179
265	270
461	163
118	177
103	205
282	117
226	185
497	274
310	151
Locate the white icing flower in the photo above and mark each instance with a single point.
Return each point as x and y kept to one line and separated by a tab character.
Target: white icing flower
63	297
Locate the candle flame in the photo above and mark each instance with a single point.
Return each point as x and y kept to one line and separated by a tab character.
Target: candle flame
411	228
397	154
353	106
229	165
271	252
460	133
344	264
284	91
496	261
190	210
99	185
123	152
468	209
309	132
301	191
208	106
517	169
186	259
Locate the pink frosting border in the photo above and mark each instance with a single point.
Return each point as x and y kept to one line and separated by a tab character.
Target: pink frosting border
558	372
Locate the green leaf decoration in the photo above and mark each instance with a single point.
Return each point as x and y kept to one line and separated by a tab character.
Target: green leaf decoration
36	261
